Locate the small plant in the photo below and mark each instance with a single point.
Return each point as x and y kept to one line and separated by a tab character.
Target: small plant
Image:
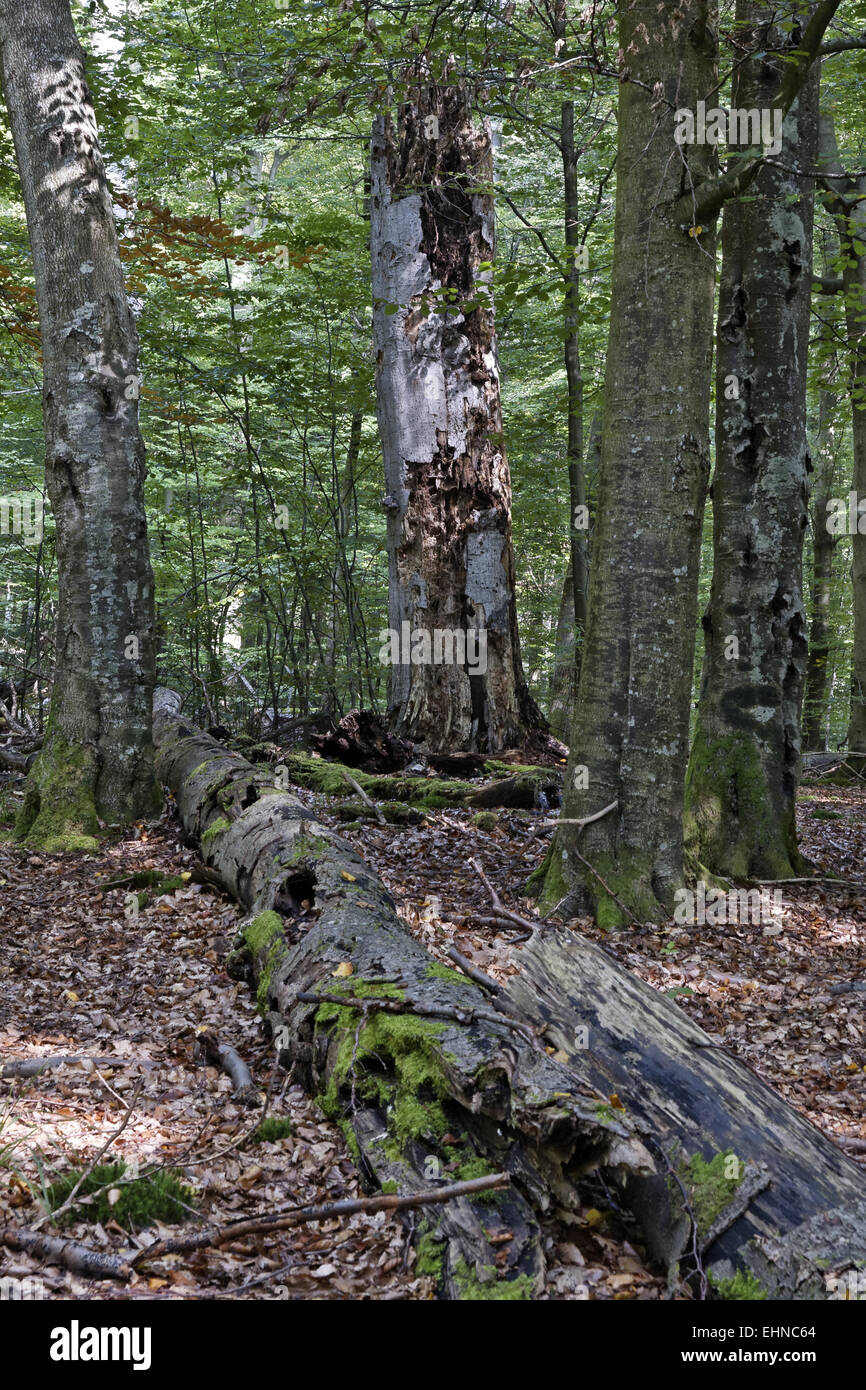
140	1201
272	1128
740	1286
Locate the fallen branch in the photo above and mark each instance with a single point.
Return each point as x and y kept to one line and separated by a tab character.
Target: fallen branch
544	1114
54	1250
356	787
369	1005
568	820
13	762
228	1060
302	1216
472	971
498	905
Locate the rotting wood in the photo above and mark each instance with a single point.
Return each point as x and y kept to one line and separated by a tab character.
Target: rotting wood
417	1094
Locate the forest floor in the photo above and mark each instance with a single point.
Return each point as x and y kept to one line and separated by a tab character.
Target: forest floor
77	977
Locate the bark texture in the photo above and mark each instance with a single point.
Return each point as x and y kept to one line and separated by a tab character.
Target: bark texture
429	1075
817	694
629	739
97	758
847	201
448	487
563	682
745	761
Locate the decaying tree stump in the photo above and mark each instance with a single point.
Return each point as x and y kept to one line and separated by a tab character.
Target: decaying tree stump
362	739
430	1076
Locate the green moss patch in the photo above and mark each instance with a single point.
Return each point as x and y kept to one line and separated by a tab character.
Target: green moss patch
272	1129
709	1190
471	1288
397	1064
739	1287
162	1196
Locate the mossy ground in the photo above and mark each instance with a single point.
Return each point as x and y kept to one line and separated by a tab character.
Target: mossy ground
162	1196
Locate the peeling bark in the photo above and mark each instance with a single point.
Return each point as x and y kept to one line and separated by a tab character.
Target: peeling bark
97	758
430	1075
448	487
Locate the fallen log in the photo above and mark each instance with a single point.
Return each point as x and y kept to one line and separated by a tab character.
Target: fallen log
576	1078
694	1097
461	1094
527	788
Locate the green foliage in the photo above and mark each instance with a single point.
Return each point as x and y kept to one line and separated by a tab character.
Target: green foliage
161	1196
709	1188
740	1286
273	1128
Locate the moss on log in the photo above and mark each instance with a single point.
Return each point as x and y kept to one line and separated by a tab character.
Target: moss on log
577	1073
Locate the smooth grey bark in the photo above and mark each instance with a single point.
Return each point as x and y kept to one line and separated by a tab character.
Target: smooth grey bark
574	379
448	487
563	682
629	739
97	758
817	693
745	760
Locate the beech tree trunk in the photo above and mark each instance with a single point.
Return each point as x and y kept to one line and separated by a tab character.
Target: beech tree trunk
97	758
629	738
563	682
815	702
745	761
847	201
459	1078
448	488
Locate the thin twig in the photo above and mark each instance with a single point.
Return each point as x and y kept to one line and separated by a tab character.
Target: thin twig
586	820
472	971
301	1216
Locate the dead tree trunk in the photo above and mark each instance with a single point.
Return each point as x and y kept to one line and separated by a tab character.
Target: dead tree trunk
430	1076
448	488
